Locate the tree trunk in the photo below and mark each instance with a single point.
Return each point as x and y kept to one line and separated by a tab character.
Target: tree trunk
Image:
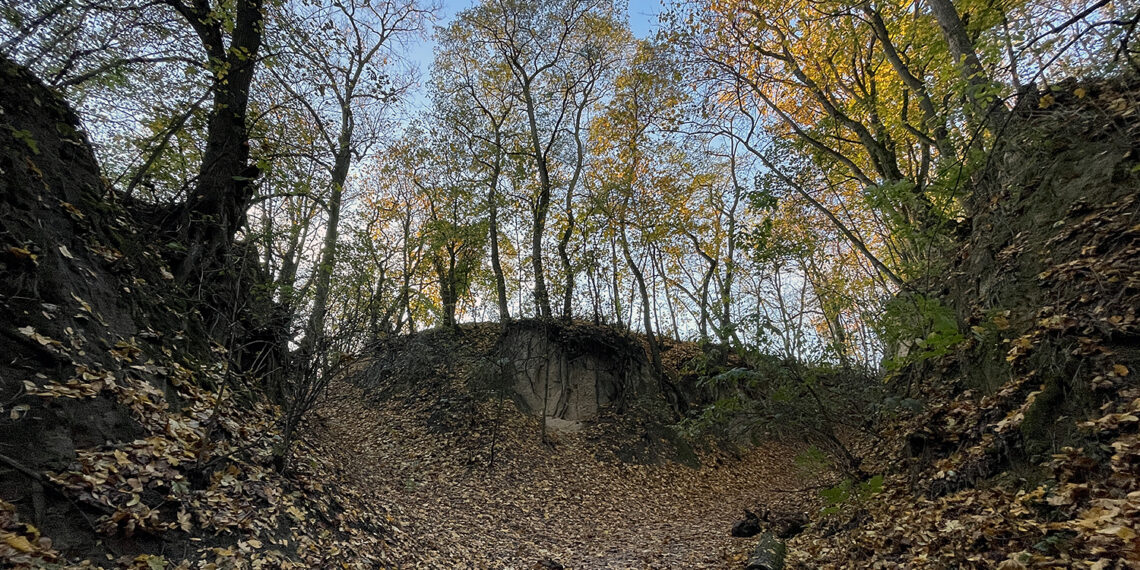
615	282
962	50
703	292
215	211
327	262
726	330
564	255
768	554
672	394
564	241
646	308
541	207
930	118
375	325
447	289
493	223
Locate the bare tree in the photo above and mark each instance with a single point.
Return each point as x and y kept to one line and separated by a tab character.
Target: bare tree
334	69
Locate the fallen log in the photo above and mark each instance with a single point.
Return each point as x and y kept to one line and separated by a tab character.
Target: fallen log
768	554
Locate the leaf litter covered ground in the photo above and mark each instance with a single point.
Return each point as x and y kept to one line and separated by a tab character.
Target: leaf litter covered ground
543	502
1041	469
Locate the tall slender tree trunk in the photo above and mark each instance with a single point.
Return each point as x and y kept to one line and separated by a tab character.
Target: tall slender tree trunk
327	263
646	306
564	240
448	288
375	326
676	332
493	223
672	394
541	207
930	118
564	255
703	292
727	330
615	281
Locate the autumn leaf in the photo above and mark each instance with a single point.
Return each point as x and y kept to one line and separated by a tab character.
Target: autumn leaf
18	411
184	522
1119	531
21	253
71	209
18	542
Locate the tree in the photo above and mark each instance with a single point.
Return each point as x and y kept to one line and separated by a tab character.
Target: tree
454	232
599	55
774	73
541	43
216	208
91	48
472	99
979	93
394	227
645	101
333	69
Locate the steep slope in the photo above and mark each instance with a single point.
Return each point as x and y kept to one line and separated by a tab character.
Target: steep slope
122	441
1027	452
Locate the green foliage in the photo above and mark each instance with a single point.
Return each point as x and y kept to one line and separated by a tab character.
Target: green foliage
709	418
812	462
917	328
787	399
850	492
26	138
737	377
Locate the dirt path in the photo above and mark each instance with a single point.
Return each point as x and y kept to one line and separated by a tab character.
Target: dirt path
542	502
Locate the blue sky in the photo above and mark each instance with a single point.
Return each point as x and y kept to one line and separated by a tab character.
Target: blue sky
642	21
643	16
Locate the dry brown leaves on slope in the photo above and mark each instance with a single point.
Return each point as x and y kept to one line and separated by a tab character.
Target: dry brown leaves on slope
200	484
1069	506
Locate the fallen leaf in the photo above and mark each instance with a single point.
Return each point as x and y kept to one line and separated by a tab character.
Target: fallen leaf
18	411
19	543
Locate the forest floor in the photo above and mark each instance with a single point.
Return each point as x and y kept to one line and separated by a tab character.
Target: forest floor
540	501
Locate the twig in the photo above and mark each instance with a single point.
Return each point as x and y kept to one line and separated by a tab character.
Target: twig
1062	26
31	474
804	489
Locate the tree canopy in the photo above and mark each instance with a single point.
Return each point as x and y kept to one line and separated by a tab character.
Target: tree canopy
758	173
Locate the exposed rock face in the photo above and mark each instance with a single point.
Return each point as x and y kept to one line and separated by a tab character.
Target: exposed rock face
574	375
568	373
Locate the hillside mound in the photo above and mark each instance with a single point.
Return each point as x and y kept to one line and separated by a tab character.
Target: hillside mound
1026	453
576	376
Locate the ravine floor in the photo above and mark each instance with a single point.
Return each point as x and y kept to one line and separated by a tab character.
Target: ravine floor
544	502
